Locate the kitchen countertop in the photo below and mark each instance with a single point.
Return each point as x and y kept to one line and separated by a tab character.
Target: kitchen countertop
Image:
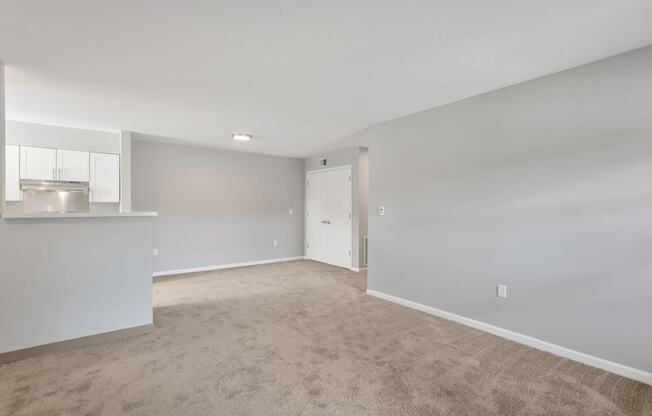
26	215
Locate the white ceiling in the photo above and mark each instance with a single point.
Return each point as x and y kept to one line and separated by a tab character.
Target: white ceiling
298	75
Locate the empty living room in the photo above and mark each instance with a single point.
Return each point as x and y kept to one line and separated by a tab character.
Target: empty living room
301	208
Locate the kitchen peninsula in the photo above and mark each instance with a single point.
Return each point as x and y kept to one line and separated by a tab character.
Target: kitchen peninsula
73	279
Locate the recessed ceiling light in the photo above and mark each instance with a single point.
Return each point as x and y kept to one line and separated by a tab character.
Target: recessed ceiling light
241	137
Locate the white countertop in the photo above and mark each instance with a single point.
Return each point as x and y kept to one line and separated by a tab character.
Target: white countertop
108	214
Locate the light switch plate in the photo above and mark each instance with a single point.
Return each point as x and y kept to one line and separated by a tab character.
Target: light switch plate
501	291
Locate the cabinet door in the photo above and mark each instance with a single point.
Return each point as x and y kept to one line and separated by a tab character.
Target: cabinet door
12	173
38	163
105	177
72	165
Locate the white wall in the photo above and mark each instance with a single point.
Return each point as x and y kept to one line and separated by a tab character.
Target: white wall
40	135
125	170
544	187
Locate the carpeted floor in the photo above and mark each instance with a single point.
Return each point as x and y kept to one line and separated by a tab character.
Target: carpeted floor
302	338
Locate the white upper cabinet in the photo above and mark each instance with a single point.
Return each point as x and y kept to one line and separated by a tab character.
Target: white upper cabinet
73	165
101	170
38	163
105	177
12	173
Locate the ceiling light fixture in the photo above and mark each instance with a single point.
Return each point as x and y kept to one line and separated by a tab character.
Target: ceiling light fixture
241	137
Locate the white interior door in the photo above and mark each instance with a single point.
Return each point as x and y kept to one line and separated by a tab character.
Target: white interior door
328	216
72	165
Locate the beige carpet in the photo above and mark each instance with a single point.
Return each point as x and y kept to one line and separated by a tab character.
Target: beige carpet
302	338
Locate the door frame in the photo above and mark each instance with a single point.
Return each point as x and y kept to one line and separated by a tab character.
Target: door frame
305	213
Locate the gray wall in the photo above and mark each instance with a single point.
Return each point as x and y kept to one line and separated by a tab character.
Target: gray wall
363	210
217	207
545	187
357	158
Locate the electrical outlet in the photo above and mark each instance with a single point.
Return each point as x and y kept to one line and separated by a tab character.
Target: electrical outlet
381	211
275	243
501	291
155	251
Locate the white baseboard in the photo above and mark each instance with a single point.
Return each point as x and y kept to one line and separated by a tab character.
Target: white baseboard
622	370
357	269
224	266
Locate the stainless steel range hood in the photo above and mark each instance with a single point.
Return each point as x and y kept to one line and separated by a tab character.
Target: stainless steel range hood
53	186
54	196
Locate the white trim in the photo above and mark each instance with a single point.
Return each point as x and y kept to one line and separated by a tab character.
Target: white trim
620	369
329	169
305	211
225	266
354	269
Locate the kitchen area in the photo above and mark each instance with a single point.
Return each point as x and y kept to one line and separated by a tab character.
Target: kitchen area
58	170
75	259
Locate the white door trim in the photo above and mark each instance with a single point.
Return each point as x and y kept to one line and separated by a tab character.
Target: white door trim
305	204
342	167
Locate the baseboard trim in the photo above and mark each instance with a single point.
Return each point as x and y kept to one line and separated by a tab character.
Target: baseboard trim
620	369
7	357
224	266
